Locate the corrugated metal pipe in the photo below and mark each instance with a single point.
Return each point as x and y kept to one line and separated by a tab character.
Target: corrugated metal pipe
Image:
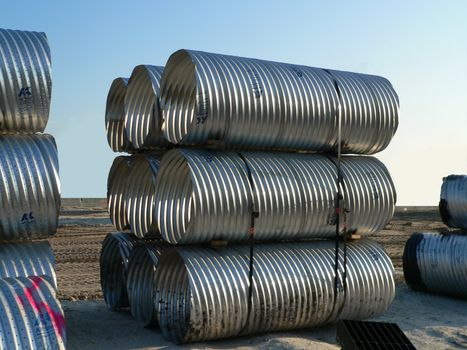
30	190
453	202
203	195
117	189
437	262
31	316
142	266
143	117
27	259
115	253
141	195
131	195
202	293
115	117
244	102
25	81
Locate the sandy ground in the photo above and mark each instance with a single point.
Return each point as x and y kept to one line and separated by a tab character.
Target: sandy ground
430	321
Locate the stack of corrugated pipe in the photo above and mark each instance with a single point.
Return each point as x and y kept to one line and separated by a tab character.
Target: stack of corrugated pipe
130	255
437	261
252	197
31	316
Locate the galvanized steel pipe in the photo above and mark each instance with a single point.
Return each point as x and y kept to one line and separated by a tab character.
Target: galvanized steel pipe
202	293
117	189
113	262
436	262
30	189
27	259
141	195
142	266
453	202
203	195
31	316
246	102
115	117
143	117
25	81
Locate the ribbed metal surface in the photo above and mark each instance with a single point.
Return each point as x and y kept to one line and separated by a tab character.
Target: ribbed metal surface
30	187
25	81
203	195
131	195
142	267
142	110
453	202
437	263
140	195
27	259
117	188
115	253
115	117
202	293
247	102
31	317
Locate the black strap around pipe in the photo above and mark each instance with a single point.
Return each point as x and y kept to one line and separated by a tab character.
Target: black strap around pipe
339	207
251	239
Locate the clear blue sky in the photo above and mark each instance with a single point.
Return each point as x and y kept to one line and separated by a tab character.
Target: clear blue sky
420	46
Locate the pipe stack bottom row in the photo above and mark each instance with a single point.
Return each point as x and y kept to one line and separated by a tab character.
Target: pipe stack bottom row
197	293
437	262
127	267
115	252
30	314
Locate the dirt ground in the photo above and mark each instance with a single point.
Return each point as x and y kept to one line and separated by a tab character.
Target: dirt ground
430	321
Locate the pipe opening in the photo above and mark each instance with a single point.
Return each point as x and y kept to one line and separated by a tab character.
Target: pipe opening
175	201
141	196
117	192
179	102
173	297
113	268
141	284
115	116
142	110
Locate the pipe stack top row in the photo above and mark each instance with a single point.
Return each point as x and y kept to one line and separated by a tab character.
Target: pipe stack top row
215	138
437	261
31	315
